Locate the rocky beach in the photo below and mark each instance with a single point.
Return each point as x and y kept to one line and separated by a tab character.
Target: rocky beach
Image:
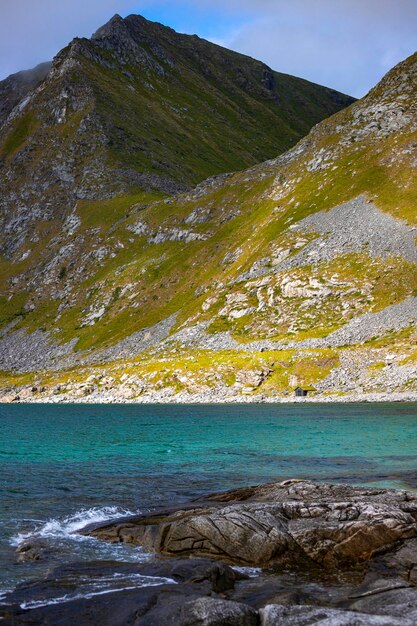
167	396
294	552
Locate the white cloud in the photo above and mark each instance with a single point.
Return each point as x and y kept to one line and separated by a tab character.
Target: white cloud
32	31
345	44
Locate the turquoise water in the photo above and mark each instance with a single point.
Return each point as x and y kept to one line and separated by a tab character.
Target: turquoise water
62	466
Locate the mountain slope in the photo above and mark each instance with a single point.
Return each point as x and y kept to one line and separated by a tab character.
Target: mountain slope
301	270
15	88
136	108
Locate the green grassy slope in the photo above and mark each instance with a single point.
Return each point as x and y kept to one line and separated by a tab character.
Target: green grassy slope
139	108
198	255
219	111
166	104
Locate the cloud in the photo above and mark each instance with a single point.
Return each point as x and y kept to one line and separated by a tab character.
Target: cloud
32	31
345	44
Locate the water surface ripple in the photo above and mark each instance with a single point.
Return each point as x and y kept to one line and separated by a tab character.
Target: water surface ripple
63	466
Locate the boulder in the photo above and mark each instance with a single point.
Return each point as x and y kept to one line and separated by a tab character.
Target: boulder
36	549
203	611
293	524
385	596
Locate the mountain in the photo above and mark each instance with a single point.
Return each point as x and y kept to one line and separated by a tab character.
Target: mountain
298	271
139	108
15	88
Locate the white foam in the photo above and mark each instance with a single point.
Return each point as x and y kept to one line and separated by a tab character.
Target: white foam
143	581
70	525
252	572
4	593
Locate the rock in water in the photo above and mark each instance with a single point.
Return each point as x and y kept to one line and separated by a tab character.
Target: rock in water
294	523
335	556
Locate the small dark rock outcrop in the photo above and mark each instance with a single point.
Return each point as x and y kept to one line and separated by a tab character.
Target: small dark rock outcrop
179	593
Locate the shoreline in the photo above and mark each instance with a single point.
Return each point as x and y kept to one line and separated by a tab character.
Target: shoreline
186	398
252	555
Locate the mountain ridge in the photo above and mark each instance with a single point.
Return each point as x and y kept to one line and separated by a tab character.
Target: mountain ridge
136	114
297	271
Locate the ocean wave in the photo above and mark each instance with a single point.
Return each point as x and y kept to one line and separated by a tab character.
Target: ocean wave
4	593
68	526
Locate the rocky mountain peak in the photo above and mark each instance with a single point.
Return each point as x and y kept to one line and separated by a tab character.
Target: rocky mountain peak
133	27
115	27
132	41
390	107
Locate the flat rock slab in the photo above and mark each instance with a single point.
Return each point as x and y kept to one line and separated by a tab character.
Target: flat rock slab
292	524
110	593
331	555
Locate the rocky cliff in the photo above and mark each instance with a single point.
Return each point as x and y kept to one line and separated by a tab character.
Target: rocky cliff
297	271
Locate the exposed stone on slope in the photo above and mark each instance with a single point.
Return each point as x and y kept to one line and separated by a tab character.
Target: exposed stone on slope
28	352
137	342
370	325
31	351
353	227
15	88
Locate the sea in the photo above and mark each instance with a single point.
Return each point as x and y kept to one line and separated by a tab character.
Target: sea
65	466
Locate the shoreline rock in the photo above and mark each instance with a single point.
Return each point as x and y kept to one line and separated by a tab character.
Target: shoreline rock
165	397
330	555
295	523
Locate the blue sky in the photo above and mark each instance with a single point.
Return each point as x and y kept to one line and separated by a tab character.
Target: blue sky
205	20
345	44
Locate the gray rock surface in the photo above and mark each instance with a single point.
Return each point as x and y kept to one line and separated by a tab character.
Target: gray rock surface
136	343
360	329
16	87
277	615
216	612
177	593
296	524
351	560
356	226
370	325
26	352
